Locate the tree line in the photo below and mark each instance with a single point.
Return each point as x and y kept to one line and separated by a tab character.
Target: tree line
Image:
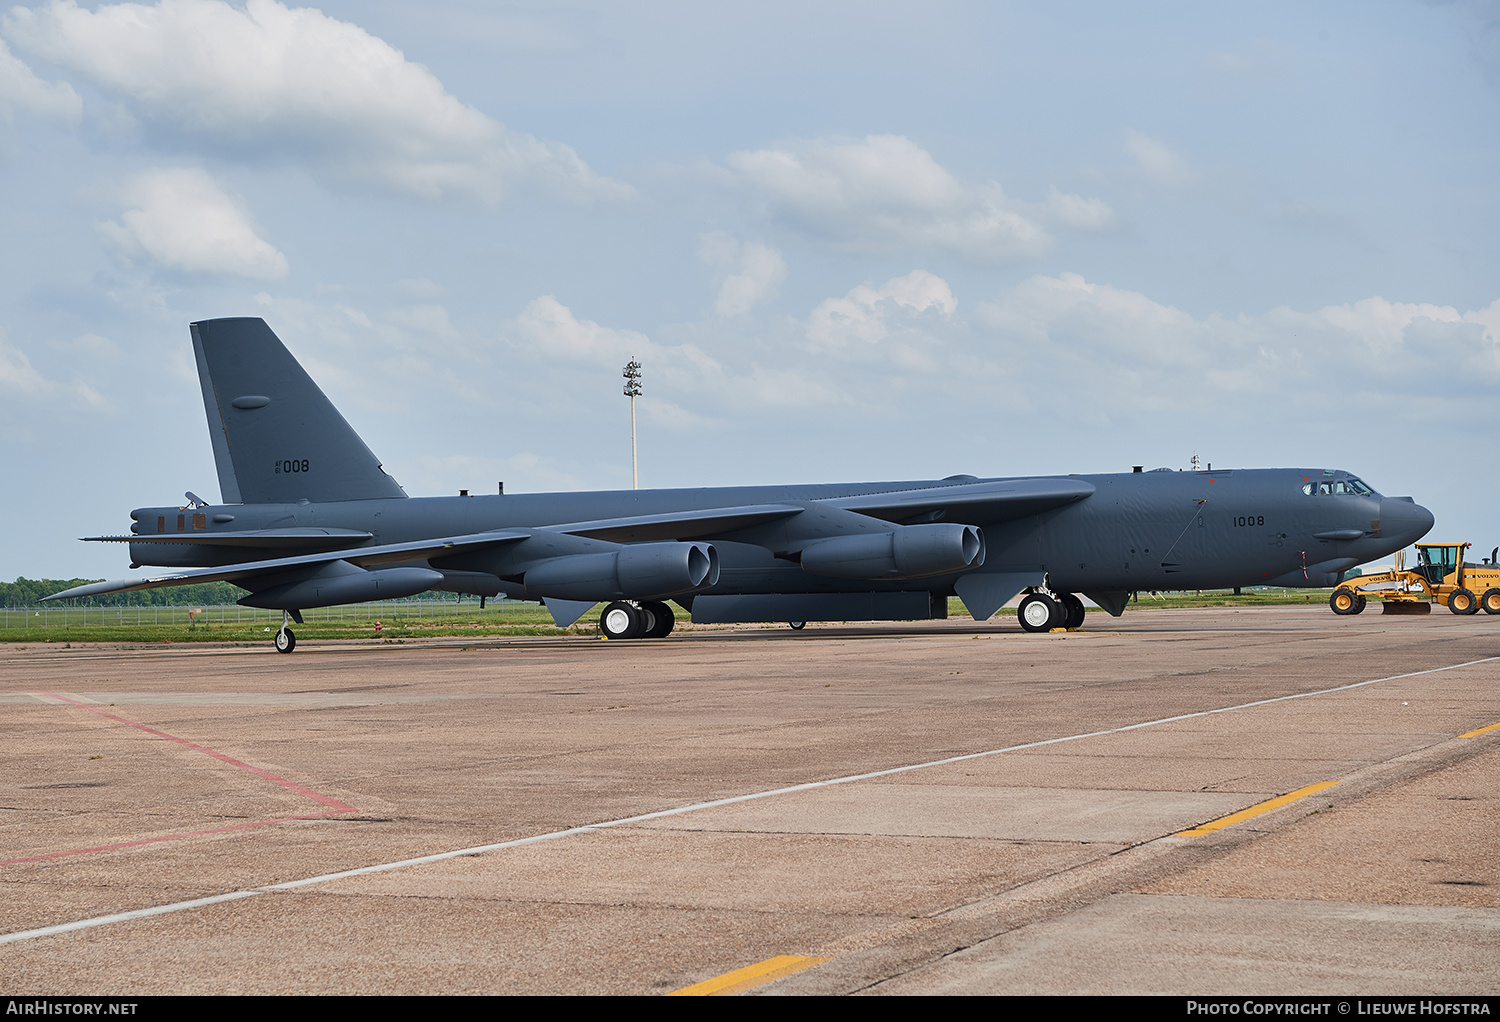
28	592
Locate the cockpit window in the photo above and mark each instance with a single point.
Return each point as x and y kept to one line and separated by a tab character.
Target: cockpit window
1350	486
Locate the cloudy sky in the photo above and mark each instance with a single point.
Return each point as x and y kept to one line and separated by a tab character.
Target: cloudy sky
847	240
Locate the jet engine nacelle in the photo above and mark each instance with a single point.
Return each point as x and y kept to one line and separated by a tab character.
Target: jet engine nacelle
342	582
908	551
640	571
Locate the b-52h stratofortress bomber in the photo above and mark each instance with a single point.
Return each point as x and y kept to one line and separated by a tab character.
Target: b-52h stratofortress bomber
310	519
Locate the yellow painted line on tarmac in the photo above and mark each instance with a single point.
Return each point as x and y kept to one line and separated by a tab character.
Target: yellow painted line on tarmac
749	976
1256	810
1479	731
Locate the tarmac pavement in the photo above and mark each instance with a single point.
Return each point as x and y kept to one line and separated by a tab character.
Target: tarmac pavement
934	807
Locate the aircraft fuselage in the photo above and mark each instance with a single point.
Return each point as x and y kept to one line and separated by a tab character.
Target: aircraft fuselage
1136	531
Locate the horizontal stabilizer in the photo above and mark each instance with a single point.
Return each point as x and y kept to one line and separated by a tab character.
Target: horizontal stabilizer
978	503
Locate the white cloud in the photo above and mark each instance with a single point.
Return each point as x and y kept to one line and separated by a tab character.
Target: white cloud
295	83
1155	161
760	268
884	192
864	316
429	320
684	373
22	382
182	219
1078	212
1261	63
20	87
90	346
421	287
550	326
1120	350
890	323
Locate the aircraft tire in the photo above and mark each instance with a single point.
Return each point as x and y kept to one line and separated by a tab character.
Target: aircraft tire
796	626
662	623
1461	601
286	640
620	620
1490	601
1346	601
1073	611
1039	613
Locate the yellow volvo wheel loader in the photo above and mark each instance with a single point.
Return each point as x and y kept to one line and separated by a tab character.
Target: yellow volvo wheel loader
1442	576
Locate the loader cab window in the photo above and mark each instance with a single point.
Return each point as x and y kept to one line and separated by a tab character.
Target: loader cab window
1436	563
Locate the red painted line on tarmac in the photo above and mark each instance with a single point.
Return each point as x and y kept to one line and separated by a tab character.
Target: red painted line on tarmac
167	837
333	803
336	808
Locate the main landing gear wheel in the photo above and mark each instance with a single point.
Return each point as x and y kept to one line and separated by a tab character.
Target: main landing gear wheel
286	640
796	626
1490	601
620	620
1346	601
662	620
1073	611
1461	601
1039	613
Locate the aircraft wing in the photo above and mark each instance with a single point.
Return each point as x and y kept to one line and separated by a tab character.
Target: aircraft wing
976	503
679	526
363	556
254	538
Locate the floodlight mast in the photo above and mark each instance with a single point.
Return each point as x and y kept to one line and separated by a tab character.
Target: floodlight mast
632	376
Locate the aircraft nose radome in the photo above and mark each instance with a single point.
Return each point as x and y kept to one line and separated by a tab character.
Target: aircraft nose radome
1404	521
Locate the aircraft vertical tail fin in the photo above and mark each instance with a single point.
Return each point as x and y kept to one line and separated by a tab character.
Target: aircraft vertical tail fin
276	436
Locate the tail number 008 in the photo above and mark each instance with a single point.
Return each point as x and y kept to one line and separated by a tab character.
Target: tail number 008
291	465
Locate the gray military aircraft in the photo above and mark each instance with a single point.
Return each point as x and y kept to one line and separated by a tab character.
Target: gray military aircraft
310	519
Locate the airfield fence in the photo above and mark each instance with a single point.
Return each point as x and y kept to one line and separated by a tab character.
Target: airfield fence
384	611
